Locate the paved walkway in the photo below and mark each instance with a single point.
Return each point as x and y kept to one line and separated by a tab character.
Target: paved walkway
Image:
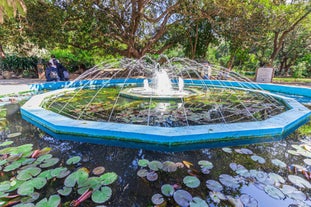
14	86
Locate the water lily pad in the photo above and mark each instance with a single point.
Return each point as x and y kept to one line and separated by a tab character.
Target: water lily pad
152	176
2	162
28	173
65	191
214	185
102	195
11	167
143	163
42	158
244	151
78	177
60	172
240	169
205	166
227	149
73	160
31	198
182	197
274	192
293	152
53	201
155	165
198	202
44	151
98	170
142	173
108	178
13	135
217	196
191	181
258	159
248	200
157	199
167	190
276	178
293	193
4	186
307	161
7	143
49	162
261	176
24	205
278	163
228	181
28	187
300	182
169	166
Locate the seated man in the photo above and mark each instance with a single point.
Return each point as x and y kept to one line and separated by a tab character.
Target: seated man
51	73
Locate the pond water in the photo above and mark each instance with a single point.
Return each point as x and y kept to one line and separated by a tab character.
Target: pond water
254	184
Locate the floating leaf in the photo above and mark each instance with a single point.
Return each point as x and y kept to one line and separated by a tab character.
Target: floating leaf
102	195
60	172
155	165
44	151
293	152
307	161
274	192
169	166
244	151
142	173
217	196
28	173
108	178
157	199
191	181
65	191
11	167
228	181
198	202
227	149
143	163
24	205
78	177
276	178
73	160
300	182
278	163
28	187
293	193
236	202
53	201
261	176
98	170
4	186
167	190
248	200
205	166
152	176
182	197
13	135
49	162
44	157
3	144
258	159
214	185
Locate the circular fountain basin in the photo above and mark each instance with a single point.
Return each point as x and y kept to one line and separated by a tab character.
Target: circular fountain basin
162	138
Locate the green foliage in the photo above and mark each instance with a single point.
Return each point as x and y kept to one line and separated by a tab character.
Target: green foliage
20	65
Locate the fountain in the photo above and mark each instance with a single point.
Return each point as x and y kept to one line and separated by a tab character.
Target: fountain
167	106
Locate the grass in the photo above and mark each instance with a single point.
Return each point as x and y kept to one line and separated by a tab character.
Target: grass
291	80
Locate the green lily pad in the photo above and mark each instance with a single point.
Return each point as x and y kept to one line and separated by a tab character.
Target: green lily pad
157	199
191	181
24	205
307	161
258	159
152	176
11	167
227	149
244	151
169	166
4	186
46	174
143	163
78	177
53	201
73	160
28	173
13	135
60	172
276	178
274	192
142	173
228	181
198	202
108	178
214	185
205	166
102	195
293	193
155	165
7	143
278	163
300	182
28	187
2	162
49	162
44	157
91	183
217	196
65	191
167	190
14	157
182	197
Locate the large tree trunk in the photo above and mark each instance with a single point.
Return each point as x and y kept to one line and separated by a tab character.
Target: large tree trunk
2	54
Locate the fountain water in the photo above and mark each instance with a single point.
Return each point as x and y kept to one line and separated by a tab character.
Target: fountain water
165	104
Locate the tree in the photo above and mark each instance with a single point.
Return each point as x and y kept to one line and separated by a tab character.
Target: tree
8	9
